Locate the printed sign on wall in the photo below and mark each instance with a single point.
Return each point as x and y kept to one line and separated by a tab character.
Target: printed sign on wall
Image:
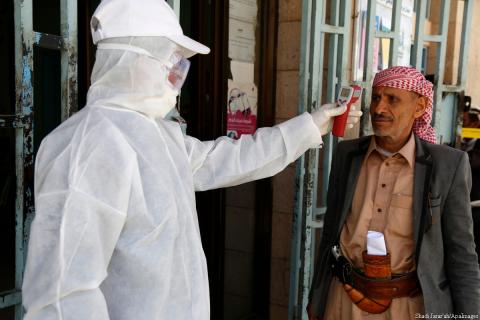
241	109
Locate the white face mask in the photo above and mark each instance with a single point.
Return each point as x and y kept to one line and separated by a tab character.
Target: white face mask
169	98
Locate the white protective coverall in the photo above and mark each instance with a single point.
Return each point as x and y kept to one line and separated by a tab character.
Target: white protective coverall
116	234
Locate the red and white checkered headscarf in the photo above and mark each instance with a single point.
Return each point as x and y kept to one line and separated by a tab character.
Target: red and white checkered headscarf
408	78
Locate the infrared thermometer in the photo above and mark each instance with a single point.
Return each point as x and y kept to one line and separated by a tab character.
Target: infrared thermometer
347	95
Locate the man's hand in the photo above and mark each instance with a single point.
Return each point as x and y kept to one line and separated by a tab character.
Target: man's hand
323	116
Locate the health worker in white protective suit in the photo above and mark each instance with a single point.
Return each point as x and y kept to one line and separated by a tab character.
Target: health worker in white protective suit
115	234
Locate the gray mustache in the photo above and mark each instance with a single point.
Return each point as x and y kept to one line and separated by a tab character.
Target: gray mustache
380	117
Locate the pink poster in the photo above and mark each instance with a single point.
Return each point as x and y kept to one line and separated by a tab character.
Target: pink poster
241	109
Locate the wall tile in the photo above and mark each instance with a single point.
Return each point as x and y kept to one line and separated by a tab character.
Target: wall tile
278	312
288	52
239	307
287	94
281	235
290	10
284	190
238	273
242	196
239	229
280	281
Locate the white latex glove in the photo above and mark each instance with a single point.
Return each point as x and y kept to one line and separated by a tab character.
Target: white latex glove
323	116
353	117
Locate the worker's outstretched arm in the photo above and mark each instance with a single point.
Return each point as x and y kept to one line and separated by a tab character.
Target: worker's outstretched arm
226	162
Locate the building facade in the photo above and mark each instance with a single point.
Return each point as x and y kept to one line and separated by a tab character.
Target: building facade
270	61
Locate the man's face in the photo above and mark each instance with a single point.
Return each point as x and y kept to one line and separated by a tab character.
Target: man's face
393	112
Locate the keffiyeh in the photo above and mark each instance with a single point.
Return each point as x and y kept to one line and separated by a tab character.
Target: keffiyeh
408	78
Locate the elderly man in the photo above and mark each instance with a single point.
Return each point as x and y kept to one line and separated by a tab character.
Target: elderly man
416	193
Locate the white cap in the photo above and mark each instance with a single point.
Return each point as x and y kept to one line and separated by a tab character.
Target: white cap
140	18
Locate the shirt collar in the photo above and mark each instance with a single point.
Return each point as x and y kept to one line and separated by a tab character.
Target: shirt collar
407	151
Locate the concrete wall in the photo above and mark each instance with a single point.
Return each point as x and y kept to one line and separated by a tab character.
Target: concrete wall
472	88
288	60
239	251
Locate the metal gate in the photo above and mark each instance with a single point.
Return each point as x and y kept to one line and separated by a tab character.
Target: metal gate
345	42
22	123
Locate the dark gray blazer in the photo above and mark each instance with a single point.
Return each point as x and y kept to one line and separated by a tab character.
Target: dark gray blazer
447	264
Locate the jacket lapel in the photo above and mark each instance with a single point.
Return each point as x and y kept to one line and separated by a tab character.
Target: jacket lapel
355	158
422	179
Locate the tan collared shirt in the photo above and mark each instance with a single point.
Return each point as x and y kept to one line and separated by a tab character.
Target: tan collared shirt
382	202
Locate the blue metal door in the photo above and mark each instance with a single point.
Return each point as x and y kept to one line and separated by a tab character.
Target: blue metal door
18	129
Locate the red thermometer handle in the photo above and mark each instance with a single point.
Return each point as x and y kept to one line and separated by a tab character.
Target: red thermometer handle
340	122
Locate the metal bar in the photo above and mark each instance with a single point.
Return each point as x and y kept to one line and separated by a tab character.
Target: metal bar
310	161
315	185
10	298
316	55
371	9
343	14
396	15
23	201
383	34
331	87
440	66
315	224
367	70
345	8
297	224
15	121
69	56
332	29
416	57
321	210
311	158
341	76
48	41
23	21
465	42
450	88
332	54
436	38
327	163
315	83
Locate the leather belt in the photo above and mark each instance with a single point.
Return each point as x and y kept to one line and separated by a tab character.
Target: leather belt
404	285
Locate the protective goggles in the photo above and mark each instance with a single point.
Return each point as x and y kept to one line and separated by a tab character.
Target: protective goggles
177	66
